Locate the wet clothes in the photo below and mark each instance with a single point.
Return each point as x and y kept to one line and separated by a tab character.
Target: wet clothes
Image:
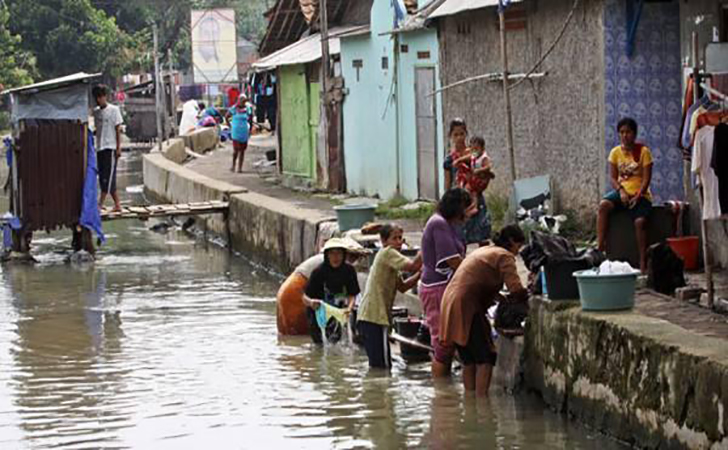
480	348
375	338
431	298
332	286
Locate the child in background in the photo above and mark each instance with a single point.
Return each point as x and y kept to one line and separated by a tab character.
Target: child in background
479	172
375	312
240	118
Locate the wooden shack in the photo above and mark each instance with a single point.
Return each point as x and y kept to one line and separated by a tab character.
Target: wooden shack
49	155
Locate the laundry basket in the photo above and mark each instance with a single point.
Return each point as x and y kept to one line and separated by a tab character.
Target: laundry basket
354	216
611	292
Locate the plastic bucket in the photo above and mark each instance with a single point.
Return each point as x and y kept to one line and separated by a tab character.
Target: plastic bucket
354	216
687	249
605	292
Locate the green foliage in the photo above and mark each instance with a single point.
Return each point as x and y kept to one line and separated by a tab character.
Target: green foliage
16	66
110	36
498	208
393	209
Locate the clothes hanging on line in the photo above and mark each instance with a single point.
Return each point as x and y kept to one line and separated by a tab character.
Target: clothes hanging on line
701	166
719	163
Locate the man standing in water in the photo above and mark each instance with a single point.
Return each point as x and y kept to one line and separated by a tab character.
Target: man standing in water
107	121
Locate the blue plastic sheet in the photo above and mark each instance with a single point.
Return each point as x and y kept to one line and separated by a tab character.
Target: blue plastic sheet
8	151
90	214
12	224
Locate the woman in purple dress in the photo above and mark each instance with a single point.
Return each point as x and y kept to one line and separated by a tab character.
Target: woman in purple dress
442	252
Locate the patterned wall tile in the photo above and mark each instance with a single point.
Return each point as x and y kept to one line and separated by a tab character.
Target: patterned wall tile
647	87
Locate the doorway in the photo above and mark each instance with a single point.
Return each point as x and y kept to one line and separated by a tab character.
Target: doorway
425	106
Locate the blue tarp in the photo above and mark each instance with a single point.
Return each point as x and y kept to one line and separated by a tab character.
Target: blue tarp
13	223
90	214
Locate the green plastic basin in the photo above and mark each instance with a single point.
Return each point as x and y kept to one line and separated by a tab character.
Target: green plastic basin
354	216
606	292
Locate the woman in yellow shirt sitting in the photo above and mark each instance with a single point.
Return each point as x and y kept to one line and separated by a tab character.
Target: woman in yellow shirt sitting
630	173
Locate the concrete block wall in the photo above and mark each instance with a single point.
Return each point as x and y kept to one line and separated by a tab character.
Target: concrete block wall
201	141
641	379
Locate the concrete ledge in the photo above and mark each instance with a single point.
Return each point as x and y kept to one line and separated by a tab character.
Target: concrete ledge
177	184
174	150
272	231
201	141
644	380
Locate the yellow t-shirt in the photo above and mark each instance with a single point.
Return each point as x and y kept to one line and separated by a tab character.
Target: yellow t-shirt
630	171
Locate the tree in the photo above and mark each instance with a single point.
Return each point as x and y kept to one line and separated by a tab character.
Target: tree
69	36
16	66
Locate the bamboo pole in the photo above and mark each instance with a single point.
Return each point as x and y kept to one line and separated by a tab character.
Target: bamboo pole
158	104
506	94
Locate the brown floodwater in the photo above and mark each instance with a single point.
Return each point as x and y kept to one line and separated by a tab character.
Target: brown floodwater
167	341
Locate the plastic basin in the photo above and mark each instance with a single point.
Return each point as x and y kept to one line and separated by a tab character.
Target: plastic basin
606	292
687	249
354	216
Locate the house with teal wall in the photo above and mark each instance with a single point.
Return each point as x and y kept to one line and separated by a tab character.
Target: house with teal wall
392	122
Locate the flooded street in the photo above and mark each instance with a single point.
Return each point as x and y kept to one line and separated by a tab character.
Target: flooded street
170	342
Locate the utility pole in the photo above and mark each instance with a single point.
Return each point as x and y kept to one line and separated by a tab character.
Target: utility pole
506	93
325	71
172	94
158	97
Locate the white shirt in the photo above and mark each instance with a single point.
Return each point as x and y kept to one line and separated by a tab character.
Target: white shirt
106	120
702	154
307	267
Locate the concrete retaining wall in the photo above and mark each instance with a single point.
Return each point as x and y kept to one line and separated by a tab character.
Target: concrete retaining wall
641	379
269	230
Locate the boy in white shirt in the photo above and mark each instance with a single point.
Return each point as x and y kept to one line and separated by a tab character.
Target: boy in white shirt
108	121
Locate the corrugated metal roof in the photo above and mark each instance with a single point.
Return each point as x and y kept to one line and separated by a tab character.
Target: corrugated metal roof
304	51
451	7
54	83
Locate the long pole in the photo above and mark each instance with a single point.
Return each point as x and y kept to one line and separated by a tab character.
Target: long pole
506	94
172	95
158	103
707	259
325	70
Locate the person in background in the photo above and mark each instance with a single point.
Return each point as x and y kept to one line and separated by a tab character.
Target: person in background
630	174
385	279
108	121
291	318
240	118
474	175
442	252
335	283
458	135
472	290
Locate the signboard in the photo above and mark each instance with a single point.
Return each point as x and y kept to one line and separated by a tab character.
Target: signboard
214	46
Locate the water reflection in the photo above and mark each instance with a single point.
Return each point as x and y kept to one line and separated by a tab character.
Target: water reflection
66	380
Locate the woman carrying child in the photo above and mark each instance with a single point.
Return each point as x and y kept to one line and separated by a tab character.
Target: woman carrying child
476	176
458	135
385	279
334	283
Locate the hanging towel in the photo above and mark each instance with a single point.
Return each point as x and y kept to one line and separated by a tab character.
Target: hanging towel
719	163
326	312
90	215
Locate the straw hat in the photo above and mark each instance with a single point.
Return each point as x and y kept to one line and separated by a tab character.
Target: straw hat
355	247
336	243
